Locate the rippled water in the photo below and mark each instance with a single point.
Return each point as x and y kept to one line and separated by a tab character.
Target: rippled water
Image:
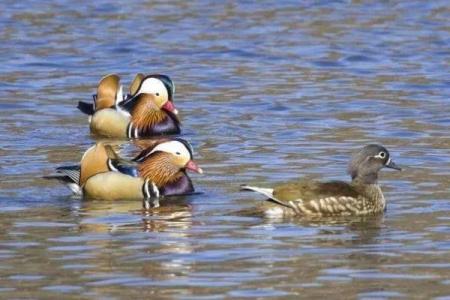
268	92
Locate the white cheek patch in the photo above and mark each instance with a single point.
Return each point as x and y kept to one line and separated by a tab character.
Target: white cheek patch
175	148
154	86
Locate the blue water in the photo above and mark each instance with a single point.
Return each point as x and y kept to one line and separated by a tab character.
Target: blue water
267	92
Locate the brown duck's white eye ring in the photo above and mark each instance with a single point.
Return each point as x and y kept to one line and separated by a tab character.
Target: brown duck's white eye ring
381	155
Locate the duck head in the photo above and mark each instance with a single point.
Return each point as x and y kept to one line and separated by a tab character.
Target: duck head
167	162
367	162
159	85
109	92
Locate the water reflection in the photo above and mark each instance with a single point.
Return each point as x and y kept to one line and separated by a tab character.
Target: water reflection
355	230
106	215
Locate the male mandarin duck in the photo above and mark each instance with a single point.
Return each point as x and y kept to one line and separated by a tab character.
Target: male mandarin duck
334	198
147	111
159	170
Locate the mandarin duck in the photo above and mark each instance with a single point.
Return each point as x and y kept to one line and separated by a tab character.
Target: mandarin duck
361	196
147	111
159	170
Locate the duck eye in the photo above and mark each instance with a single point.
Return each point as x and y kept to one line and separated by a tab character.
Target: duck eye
382	154
177	153
157	94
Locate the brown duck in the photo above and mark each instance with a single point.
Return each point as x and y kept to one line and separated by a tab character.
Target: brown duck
361	196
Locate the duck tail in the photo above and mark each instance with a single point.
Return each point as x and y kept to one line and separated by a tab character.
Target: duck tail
86	108
71	172
265	191
69	175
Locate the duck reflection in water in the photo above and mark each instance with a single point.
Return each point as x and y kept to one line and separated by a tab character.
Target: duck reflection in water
107	216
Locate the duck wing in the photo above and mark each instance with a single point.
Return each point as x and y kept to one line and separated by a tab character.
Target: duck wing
123	166
68	174
118	164
320	198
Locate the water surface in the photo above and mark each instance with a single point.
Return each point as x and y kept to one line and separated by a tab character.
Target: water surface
268	92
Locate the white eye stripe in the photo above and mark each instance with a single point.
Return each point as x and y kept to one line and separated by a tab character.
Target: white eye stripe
173	147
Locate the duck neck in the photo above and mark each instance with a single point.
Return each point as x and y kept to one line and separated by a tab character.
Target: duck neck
146	115
372	195
369	178
158	169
